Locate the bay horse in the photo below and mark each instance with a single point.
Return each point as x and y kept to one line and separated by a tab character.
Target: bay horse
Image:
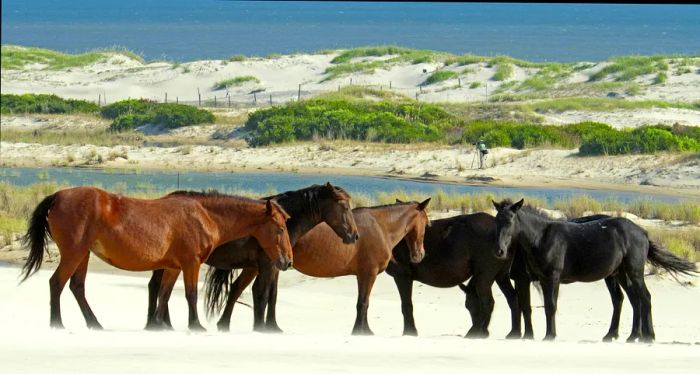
457	249
307	208
172	233
614	249
380	229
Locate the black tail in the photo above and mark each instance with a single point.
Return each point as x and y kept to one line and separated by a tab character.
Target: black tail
216	287
661	257
36	235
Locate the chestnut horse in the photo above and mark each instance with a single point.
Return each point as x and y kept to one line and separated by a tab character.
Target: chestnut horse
380	229
172	233
307	207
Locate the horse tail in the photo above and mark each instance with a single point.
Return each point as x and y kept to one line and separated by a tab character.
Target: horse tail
35	238
661	257
216	288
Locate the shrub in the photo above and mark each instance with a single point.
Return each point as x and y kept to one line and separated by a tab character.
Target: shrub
504	70
475	85
40	103
130	114
660	78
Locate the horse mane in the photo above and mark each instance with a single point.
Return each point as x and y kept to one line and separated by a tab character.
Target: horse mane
402	203
216	195
531	210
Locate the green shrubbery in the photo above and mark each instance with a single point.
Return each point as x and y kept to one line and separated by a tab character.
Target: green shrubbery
646	139
17	57
396	122
31	103
235	82
130	114
439	76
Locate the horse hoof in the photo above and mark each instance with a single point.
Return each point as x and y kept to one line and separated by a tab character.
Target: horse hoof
223	328
410	332
549	338
610	337
96	327
196	327
274	329
513	335
57	325
632	338
528	336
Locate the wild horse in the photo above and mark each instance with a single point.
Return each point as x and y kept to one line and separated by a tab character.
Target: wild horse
457	249
307	208
614	249
380	229
172	233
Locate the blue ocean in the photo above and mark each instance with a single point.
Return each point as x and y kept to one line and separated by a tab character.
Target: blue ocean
183	30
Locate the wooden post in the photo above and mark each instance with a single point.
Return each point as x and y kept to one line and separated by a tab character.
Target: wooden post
459	82
99	99
416	96
389	84
177	100
351	81
229	101
299	93
105	97
214	101
421	88
166	97
199	97
270	99
255	98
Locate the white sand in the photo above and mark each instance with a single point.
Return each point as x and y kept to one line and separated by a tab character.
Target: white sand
317	316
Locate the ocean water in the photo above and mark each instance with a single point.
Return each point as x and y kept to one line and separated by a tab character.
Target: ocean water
184	30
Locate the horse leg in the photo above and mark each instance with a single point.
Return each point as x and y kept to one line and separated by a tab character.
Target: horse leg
512	297
617	300
66	268
271	320
522	288
636	332
405	287
550	289
364	288
483	291
261	293
244	279
647	325
153	287
77	286
190	275
474	307
168	278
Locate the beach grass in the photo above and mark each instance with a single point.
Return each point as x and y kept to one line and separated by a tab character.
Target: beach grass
626	68
440	76
16	57
235	82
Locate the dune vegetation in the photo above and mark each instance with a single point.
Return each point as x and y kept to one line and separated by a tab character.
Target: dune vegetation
18	57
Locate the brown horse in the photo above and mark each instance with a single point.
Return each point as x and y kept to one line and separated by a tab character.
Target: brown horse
380	229
174	233
307	207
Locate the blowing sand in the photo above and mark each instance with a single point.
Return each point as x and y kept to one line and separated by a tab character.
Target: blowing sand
317	316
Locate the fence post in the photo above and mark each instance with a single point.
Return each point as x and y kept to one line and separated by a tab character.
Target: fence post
199	97
105	97
299	93
416	96
166	97
214	101
270	99
99	99
255	98
459	82
229	101
177	100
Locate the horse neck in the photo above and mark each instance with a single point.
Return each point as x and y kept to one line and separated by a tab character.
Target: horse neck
532	228
304	216
234	218
393	221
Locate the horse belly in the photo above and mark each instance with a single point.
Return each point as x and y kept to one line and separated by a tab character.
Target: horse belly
125	259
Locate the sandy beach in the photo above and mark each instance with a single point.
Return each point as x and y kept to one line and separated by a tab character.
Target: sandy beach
317	316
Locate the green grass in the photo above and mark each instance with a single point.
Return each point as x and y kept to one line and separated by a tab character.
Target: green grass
604	104
661	78
627	68
235	82
74	136
439	76
235	58
336	71
474	85
504	70
17	57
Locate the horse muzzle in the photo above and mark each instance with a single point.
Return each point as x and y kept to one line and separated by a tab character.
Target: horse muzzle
501	253
283	263
418	257
351	238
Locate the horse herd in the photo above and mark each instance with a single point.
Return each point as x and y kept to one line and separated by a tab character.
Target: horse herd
316	230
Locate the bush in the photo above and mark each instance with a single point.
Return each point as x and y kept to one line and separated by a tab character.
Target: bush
504	71
130	114
31	103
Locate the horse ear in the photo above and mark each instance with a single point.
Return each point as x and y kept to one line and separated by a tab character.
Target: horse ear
399	200
328	184
269	208
515	207
424	204
496	205
462	287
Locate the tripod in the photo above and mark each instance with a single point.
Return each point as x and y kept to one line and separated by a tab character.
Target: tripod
482	157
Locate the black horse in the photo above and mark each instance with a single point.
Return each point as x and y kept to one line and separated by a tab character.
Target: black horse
457	249
614	249
307	208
